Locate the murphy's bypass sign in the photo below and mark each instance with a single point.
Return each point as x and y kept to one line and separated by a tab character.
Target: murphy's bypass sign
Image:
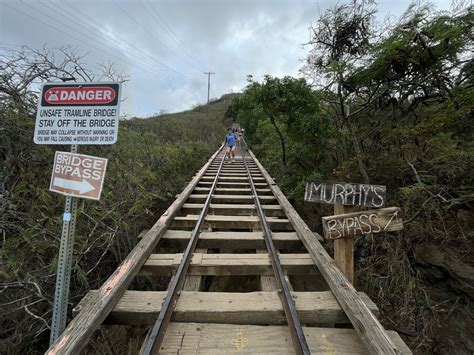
78	113
78	175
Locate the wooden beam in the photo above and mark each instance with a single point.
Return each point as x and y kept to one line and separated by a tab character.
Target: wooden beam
232	179
344	248
231	222
233	170
192	282
205	338
231	174
232	191
78	332
232	184
228	264
142	308
267	283
230	240
230	198
367	326
229	209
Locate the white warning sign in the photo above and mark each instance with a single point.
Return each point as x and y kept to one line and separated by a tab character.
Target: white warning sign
78	113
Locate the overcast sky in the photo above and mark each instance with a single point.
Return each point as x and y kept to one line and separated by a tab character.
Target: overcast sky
166	46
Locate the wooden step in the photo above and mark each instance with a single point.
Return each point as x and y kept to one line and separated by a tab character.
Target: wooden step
232	184
232	174
233	209
234	166
230	198
228	264
142	307
230	240
235	163
233	171
208	338
232	191
231	222
232	179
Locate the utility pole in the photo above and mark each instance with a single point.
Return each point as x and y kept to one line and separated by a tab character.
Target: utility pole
208	89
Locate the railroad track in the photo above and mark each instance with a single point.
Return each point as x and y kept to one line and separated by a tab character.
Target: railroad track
246	275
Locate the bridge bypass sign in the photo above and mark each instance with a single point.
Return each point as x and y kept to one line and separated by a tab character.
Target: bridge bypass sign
78	175
78	113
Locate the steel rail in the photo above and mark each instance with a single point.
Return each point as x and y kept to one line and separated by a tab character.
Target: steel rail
296	330
157	333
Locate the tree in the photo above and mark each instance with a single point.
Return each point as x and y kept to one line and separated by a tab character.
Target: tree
286	103
340	42
22	70
28	229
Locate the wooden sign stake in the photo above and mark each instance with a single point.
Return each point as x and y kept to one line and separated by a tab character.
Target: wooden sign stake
344	247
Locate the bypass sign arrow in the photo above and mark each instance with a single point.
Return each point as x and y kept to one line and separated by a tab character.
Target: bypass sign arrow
81	186
78	175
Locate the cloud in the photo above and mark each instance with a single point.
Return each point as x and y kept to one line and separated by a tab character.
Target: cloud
165	46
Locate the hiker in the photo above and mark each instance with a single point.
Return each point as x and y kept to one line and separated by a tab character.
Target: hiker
230	140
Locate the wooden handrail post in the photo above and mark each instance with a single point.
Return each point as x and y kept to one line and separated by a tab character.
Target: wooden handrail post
344	247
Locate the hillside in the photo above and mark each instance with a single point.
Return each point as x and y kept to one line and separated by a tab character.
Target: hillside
149	165
396	110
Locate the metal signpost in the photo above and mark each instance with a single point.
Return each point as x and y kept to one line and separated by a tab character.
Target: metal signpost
76	114
63	274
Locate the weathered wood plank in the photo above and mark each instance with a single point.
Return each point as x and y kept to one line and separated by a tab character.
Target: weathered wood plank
230	198
233	209
236	163
232	179
233	170
230	240
191	282
374	336
232	184
232	191
267	283
345	193
344	248
231	174
78	332
201	338
231	222
361	223
228	264
142	308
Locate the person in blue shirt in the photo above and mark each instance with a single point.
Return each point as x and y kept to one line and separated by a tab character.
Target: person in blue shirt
231	142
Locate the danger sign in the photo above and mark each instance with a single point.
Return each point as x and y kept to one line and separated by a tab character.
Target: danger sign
78	175
78	113
72	95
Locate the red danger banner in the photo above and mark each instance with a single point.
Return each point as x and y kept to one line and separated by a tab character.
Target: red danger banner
79	95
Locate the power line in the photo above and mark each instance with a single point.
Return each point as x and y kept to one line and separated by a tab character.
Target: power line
173	34
161	25
132	53
10	45
71	36
141	59
83	35
148	32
